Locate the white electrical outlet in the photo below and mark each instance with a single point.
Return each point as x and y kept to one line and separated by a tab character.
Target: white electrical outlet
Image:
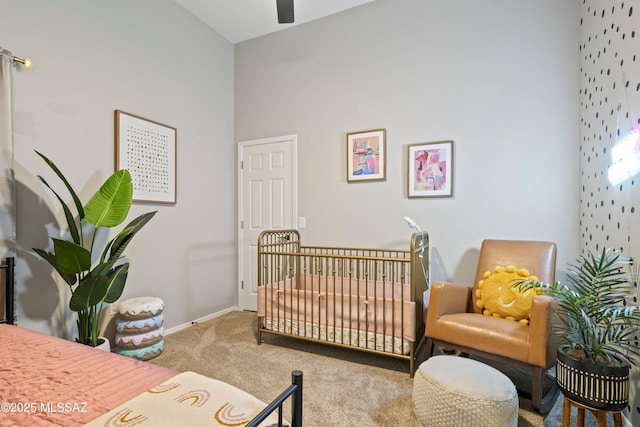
302	222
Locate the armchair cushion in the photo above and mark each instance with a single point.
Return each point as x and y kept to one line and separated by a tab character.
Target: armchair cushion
488	334
497	297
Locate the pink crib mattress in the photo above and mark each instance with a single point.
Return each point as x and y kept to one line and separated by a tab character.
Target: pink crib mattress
341	304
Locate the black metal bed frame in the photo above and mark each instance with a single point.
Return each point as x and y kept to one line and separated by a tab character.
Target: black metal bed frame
295	392
9	313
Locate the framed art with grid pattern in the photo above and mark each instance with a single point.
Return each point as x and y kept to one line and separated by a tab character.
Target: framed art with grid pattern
147	149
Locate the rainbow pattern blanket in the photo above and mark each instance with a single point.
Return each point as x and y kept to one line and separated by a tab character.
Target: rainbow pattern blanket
188	398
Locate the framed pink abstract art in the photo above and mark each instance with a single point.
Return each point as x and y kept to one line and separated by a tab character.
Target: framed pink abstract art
366	155
431	169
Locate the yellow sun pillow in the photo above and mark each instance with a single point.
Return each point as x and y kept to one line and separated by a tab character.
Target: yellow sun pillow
496	296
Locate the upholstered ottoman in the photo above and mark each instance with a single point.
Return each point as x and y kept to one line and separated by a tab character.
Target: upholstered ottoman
456	391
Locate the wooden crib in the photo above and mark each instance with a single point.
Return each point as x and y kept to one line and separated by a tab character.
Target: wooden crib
365	299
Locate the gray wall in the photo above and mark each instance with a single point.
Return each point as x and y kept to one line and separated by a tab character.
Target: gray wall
153	59
609	106
498	78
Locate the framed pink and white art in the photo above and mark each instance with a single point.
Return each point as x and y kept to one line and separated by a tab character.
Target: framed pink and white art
431	169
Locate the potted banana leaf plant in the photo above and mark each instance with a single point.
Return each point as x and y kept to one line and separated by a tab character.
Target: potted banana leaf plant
598	329
95	272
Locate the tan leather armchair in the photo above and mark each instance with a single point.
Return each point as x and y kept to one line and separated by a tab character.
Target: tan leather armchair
454	321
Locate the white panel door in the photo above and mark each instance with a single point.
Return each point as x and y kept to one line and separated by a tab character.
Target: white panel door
267	200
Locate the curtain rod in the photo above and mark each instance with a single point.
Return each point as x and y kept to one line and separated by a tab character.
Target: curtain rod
26	62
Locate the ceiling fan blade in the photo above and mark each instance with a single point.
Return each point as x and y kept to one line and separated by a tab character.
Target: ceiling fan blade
285	11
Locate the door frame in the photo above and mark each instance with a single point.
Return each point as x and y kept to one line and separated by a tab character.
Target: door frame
239	194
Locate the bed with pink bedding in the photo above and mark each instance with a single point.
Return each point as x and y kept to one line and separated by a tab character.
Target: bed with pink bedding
48	381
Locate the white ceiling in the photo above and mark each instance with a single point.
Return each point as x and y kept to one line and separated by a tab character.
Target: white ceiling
239	20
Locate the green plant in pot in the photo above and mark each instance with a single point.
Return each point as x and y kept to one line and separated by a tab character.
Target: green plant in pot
597	328
95	272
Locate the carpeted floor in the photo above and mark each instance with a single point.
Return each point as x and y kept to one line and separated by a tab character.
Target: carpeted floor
342	387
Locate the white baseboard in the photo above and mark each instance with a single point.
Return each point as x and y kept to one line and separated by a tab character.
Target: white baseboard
200	320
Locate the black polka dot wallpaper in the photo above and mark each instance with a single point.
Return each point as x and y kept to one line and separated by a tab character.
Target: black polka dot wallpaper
609	109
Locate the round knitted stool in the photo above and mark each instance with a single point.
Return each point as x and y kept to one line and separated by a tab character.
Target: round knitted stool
456	391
